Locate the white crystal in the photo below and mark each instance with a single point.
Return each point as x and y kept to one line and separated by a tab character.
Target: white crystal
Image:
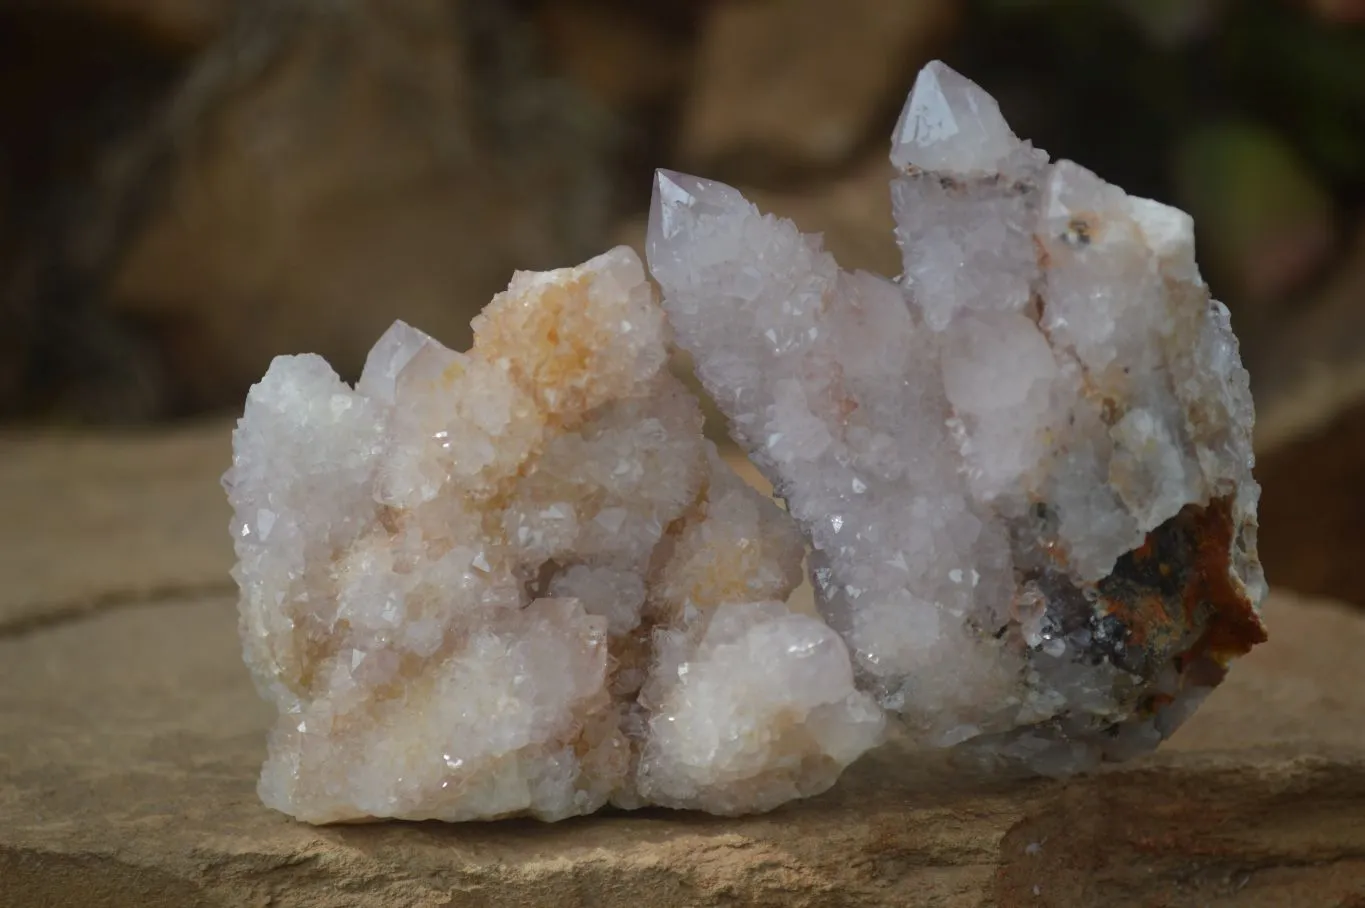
950	124
459	580
760	686
1047	402
389	356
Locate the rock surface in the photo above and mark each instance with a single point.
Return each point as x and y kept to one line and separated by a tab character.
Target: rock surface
94	520
130	741
1024	467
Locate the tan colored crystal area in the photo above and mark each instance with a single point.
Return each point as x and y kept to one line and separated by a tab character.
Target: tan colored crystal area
520	581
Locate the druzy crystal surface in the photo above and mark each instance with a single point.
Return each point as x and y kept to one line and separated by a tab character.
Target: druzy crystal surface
519	580
1024	466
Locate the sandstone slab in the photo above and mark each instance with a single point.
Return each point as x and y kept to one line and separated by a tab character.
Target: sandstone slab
130	741
92	520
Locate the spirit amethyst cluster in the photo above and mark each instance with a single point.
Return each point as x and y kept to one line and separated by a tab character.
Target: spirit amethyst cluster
520	581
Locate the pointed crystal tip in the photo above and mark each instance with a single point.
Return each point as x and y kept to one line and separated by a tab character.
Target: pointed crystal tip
678	200
951	124
393	351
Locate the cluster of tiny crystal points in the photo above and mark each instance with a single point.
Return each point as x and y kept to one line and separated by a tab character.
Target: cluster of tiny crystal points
519	580
1024	467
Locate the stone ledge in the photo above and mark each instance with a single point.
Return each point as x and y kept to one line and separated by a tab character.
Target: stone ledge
130	743
96	519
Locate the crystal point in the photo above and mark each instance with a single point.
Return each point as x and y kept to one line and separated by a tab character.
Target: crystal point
679	202
950	124
1025	468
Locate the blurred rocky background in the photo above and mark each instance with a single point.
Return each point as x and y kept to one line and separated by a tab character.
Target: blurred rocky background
189	187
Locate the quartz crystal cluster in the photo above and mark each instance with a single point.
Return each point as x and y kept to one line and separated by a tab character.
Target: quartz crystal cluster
519	580
1024	466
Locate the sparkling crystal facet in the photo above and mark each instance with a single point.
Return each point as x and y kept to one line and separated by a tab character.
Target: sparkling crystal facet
519	580
1025	469
950	124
